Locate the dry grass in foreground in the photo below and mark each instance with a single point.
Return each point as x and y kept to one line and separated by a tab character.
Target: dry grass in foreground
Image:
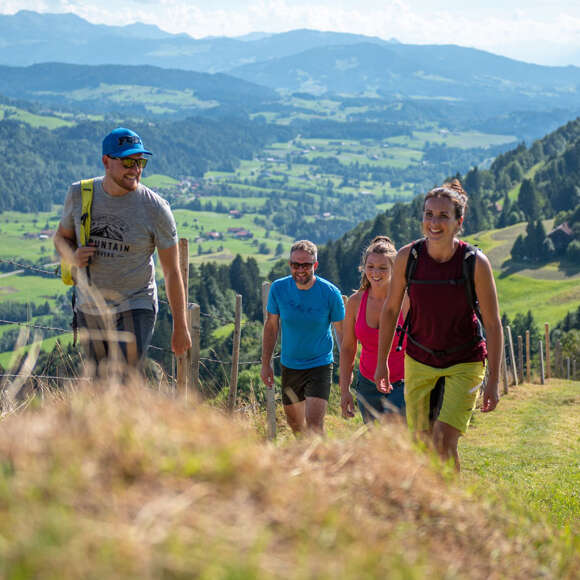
128	483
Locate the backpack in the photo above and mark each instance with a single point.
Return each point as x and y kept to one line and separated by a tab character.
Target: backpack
467	279
67	273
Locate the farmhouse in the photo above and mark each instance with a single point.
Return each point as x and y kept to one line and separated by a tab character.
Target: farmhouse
561	236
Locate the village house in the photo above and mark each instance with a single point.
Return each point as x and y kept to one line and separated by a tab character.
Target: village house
561	237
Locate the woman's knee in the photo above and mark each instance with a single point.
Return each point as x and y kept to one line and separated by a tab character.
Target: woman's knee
445	436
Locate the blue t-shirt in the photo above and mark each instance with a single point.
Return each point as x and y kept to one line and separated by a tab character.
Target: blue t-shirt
305	317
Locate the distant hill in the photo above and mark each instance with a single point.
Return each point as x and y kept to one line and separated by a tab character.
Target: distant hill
448	72
111	88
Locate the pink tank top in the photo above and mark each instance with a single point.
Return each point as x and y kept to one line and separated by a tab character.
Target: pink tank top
369	339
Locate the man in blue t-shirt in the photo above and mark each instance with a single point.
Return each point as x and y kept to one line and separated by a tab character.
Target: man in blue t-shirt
305	305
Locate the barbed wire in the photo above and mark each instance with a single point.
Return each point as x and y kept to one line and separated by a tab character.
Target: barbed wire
55	274
205	314
28	267
27	324
151	346
13	375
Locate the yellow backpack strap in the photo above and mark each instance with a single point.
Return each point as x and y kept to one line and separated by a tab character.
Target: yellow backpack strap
86	203
66	272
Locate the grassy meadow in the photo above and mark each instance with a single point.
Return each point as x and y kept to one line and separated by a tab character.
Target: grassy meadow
48	121
529	450
108	482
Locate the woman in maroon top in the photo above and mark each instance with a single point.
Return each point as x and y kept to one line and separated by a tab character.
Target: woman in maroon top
443	337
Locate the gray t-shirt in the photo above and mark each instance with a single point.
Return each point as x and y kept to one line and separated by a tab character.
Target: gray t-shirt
126	230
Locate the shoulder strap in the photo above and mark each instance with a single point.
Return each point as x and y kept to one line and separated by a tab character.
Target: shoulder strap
468	265
409	273
412	260
66	269
86	204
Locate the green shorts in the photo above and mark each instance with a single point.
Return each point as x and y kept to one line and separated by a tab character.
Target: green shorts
297	384
462	382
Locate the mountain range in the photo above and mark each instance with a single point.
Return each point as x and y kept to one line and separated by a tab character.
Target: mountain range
29	37
300	60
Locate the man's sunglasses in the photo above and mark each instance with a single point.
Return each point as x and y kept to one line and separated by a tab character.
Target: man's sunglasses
129	162
302	265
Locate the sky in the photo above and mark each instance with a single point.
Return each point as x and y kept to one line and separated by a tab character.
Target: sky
540	31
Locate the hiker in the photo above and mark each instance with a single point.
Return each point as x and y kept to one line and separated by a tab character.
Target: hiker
115	272
444	337
305	306
361	325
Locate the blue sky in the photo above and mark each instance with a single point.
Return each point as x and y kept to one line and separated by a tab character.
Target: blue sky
540	31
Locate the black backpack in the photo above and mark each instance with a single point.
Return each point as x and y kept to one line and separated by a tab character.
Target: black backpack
467	279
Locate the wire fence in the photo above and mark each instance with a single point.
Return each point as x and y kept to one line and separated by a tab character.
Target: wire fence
53	272
56	273
152	347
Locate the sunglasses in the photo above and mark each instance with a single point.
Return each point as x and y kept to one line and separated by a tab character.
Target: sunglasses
301	265
129	162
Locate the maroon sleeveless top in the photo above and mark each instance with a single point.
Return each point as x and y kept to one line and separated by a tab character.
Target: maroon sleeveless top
441	316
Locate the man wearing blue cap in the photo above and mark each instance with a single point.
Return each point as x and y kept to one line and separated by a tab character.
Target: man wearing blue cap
115	270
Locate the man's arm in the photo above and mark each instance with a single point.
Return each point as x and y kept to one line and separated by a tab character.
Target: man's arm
66	246
339	333
269	338
169	258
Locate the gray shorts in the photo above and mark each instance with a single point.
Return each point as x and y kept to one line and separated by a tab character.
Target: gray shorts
297	384
139	322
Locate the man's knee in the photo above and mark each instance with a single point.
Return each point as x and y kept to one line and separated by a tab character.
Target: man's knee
315	411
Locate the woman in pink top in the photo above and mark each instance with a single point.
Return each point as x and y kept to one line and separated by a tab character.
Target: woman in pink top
361	325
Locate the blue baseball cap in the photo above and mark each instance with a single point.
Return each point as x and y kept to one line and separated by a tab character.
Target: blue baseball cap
123	142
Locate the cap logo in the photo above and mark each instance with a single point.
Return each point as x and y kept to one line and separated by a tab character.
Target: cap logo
129	139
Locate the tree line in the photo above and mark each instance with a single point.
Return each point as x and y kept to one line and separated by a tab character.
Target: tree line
39	164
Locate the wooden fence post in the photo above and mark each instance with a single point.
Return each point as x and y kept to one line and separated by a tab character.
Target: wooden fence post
512	355
547	334
270	392
568	368
504	372
235	355
542	379
182	361
528	362
521	357
195	346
